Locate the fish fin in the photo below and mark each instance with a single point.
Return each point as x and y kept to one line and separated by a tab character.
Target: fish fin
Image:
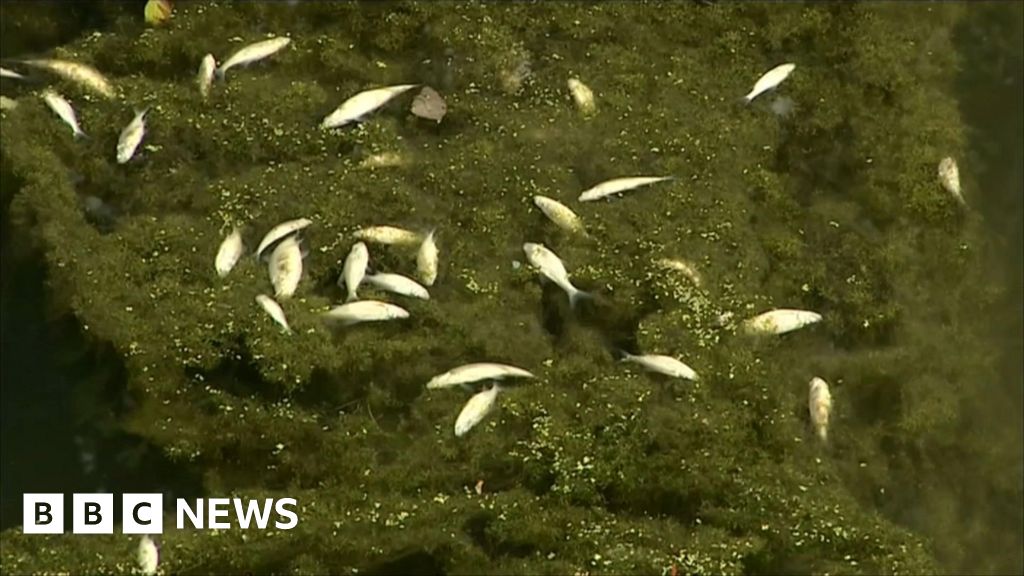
575	297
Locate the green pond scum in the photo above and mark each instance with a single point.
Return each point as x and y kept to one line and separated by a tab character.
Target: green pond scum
595	467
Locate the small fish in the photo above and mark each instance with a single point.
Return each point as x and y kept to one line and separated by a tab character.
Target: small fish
771	79
365	311
617	185
666	365
148	556
280	231
5	73
285	268
8	103
686	268
63	108
276	312
358	106
387	235
398	284
780	321
469	373
204	79
552	268
253	53
429	104
478	407
230	251
819	402
426	260
354	271
560	214
82	74
131	137
949	177
582	95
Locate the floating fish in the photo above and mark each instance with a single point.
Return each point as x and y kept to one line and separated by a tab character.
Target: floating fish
582	95
780	321
560	214
131	137
204	79
157	12
552	268
429	104
819	402
398	284
63	108
253	53
230	251
686	268
426	260
76	72
353	109
387	235
5	73
285	268
469	373
8	103
771	79
478	407
148	556
276	312
280	231
666	365
619	185
365	311
354	271
949	177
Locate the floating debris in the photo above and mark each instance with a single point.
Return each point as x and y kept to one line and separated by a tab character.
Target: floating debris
429	104
158	11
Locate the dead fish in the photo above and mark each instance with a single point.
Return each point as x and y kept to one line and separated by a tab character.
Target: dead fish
398	284
686	268
469	373
131	137
429	104
231	249
552	268
358	106
5	73
426	260
387	235
769	80
354	271
384	160
76	72
666	365
819	402
949	177
204	79
285	268
780	321
560	214
280	231
582	95
253	53
365	311
617	185
63	108
8	103
148	556
478	407
275	311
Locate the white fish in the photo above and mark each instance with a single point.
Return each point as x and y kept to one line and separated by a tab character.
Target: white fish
771	79
949	177
582	95
276	312
285	268
361	104
426	260
204	79
354	271
666	365
131	137
478	407
780	321
470	373
560	214
5	73
252	53
399	285
230	251
617	185
63	108
280	231
148	556
366	311
8	103
686	268
387	235
79	73
552	268
819	402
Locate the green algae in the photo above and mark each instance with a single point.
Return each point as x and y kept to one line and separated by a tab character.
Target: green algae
595	468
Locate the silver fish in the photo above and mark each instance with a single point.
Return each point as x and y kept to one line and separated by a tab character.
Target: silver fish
252	53
617	185
271	307
478	407
5	73
582	95
560	214
354	271
81	74
666	365
426	260
387	235
769	80
949	177
148	556
780	321
131	137
552	268
63	108
204	79
398	284
819	403
280	231
469	373
358	106
230	251
285	268
365	311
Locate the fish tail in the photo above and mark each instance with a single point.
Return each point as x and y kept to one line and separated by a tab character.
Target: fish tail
576	296
218	73
352	296
747	99
620	354
79	135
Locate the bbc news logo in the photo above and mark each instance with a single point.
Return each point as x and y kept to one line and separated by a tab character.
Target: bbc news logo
144	513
